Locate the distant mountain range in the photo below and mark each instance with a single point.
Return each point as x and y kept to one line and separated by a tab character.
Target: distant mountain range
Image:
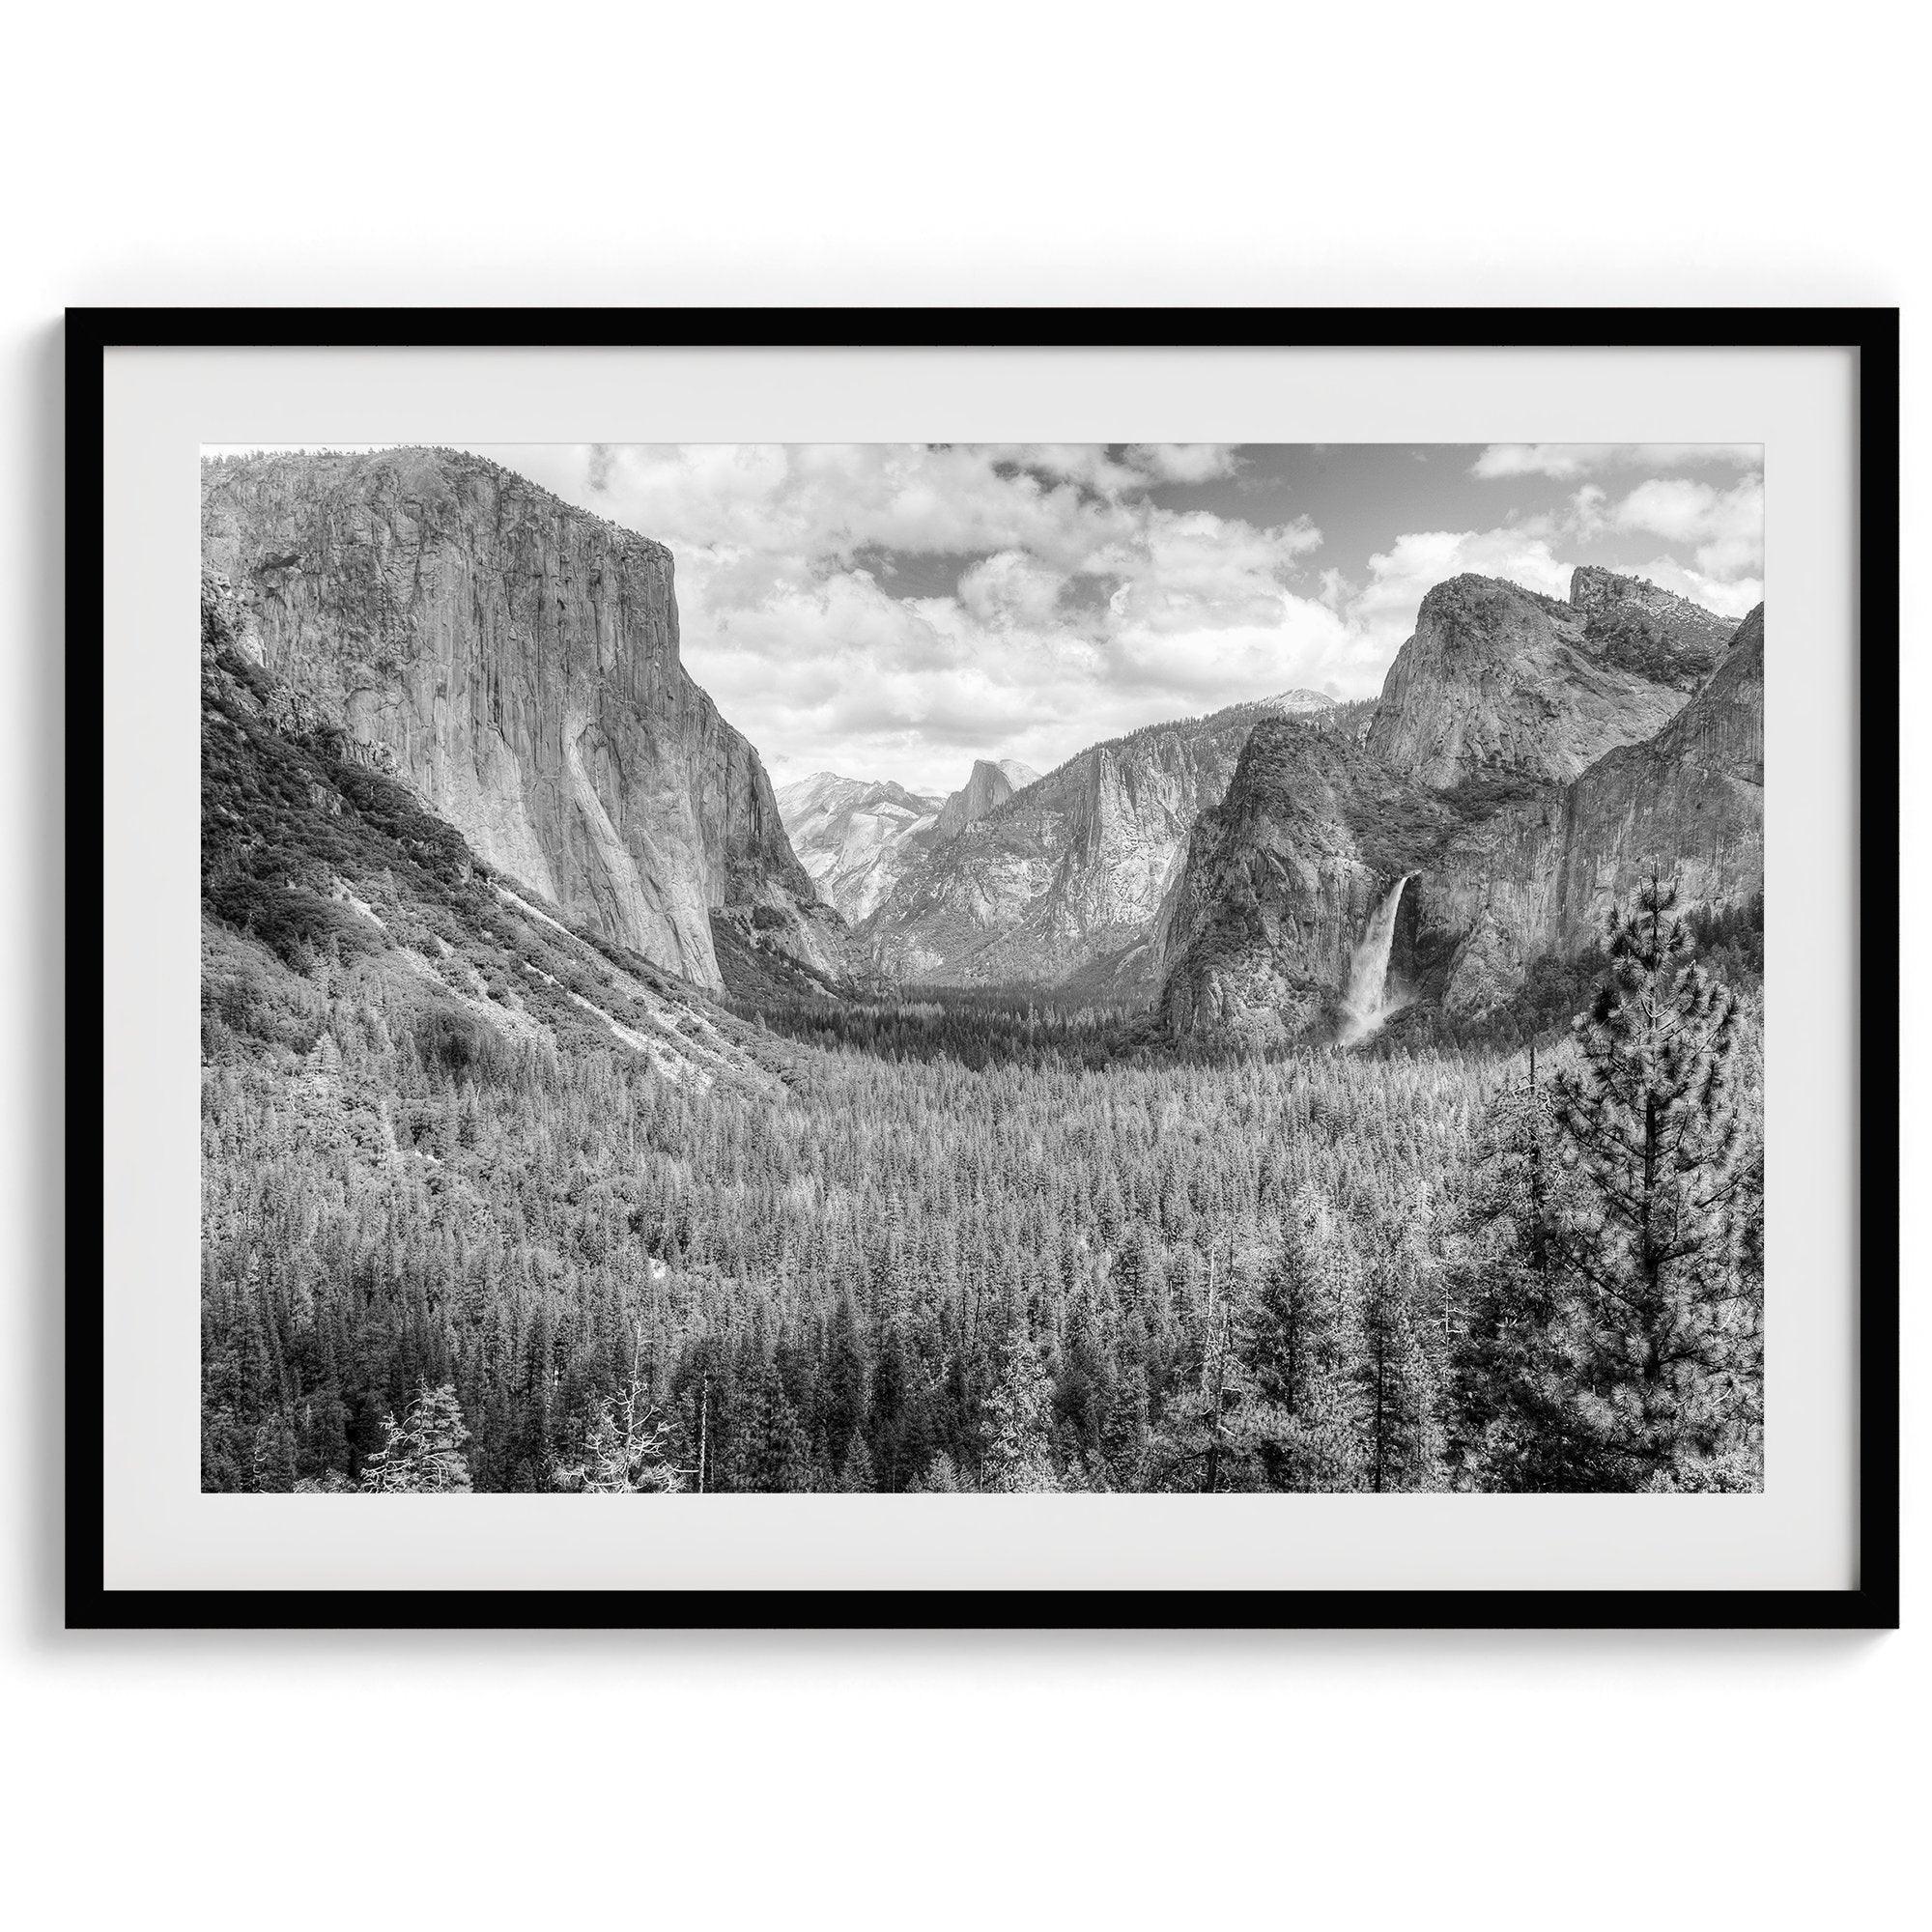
1065	874
858	838
852	835
1047	881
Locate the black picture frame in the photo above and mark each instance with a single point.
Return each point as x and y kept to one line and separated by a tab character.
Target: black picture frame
1873	333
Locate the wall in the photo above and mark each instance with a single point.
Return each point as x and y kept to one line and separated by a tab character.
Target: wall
229	153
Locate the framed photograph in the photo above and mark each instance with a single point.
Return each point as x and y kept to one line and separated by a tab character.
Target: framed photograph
995	968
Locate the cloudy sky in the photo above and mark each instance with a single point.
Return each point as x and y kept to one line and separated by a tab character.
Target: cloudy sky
894	611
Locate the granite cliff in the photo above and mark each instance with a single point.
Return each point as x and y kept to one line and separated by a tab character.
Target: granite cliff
1281	880
1563	752
1539	877
989	788
1065	879
309	855
1500	682
515	662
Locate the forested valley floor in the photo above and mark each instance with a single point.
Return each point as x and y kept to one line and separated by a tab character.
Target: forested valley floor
961	1246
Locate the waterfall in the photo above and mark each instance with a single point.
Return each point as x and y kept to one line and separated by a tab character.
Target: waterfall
1363	1004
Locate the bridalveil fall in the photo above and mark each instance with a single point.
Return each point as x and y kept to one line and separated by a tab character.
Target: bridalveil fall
1363	1004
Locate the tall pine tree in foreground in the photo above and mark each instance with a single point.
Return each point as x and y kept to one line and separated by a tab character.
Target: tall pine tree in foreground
1514	1419
1651	1239
1392	1384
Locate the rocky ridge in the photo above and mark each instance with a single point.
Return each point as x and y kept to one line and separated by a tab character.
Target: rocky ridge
857	839
1499	681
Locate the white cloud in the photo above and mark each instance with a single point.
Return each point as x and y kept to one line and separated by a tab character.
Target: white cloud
1084	462
1383	615
1185	571
1564	460
1184	462
831	670
1337	589
813	502
1725	525
1010	588
1586	509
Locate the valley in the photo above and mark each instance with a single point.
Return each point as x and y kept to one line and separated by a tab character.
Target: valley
1203	1113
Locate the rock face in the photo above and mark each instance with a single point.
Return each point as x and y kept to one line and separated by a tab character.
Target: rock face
516	662
1067	878
1630	621
1516	855
987	789
854	838
1282	880
306	852
1540	877
1499	682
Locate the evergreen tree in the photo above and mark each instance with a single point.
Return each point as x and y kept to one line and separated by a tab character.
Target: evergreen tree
1652	1240
1289	1420
843	1405
1391	1375
1514	1421
424	1452
941	1477
855	1472
768	1448
901	1427
1018	1420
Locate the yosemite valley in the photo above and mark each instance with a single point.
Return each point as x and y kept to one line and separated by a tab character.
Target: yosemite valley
1310	1095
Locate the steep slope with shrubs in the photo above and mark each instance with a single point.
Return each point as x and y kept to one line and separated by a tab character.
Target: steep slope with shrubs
325	881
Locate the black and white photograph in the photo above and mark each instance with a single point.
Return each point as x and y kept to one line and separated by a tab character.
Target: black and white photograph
956	966
982	968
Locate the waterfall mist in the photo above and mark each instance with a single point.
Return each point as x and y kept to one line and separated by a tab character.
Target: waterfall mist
1365	1004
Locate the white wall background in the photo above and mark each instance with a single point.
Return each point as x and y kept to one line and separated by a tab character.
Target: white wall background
775	155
